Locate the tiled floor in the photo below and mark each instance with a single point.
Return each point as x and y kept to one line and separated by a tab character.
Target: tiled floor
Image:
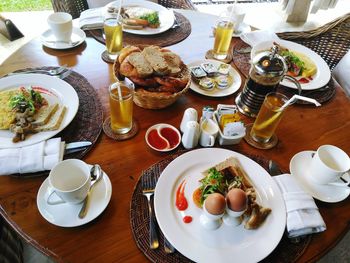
340	253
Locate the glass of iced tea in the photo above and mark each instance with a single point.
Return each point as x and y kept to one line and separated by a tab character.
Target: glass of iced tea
268	117
113	32
223	35
121	106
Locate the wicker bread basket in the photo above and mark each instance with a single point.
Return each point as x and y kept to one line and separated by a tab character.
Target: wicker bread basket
155	100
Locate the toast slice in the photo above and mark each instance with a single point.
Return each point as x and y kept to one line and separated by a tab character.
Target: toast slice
143	68
174	62
44	114
54	122
155	58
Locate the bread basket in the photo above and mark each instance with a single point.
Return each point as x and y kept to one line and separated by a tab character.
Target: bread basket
155	100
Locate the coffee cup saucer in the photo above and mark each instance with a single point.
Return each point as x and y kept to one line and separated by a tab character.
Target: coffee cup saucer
327	193
48	39
66	215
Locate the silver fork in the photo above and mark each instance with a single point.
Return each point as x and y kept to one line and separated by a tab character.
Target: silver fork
148	186
51	72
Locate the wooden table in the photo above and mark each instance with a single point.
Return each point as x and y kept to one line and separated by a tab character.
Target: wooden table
108	238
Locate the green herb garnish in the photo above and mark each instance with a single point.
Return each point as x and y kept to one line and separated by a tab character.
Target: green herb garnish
152	18
26	99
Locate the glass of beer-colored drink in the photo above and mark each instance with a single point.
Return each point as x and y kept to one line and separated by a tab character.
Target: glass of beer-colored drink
121	106
113	31
268	117
223	35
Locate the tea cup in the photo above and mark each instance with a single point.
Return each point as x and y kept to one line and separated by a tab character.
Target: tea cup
61	26
69	182
328	165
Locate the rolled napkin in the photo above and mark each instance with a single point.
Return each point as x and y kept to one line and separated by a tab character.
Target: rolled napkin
303	217
33	158
255	37
91	19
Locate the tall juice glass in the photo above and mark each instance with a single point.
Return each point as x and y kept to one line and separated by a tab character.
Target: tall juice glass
268	117
113	30
223	35
121	106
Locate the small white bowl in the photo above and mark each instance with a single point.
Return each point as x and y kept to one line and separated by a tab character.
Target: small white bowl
224	139
158	127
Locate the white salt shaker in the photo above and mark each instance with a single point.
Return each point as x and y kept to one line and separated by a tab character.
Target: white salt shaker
190	114
191	135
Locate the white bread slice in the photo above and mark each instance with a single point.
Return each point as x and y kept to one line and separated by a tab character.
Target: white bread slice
54	122
155	58
143	68
44	114
174	62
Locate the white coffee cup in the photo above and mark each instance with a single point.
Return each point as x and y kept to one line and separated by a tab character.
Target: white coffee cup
69	182
209	131
61	26
190	114
328	165
191	135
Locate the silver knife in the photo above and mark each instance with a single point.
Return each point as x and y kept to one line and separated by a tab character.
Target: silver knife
76	146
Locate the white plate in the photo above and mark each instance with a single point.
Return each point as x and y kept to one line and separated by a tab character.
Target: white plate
225	243
243	28
327	193
66	215
217	92
66	94
166	16
49	40
323	74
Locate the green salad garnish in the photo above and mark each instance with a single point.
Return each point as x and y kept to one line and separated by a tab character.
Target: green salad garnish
26	99
152	18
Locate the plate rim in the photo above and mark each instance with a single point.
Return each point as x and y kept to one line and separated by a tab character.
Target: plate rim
144	3
234	87
280	214
71	109
306	188
321	64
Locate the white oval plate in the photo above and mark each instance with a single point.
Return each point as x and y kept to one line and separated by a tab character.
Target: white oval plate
66	215
66	94
216	92
166	16
323	74
299	168
49	40
226	243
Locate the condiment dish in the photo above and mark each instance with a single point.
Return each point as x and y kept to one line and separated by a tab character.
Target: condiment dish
163	137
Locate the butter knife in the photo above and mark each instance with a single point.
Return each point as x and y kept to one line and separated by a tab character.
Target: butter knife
76	146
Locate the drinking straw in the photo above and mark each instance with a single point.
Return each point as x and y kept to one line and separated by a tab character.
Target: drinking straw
298	97
119	8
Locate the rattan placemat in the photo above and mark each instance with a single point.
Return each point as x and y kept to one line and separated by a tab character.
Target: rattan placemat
241	59
87	123
286	251
167	38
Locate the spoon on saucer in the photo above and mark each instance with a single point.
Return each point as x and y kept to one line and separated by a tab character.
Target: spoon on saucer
96	175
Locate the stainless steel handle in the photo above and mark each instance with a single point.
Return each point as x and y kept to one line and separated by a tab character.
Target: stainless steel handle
295	81
84	209
168	247
153	238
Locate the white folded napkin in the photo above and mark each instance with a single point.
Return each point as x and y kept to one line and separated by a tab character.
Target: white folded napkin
303	217
34	158
254	37
91	19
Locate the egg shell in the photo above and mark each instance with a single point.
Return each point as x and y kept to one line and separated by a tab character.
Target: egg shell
215	204
236	199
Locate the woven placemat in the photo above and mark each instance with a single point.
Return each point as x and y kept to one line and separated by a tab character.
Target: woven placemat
167	38
286	251
241	59
87	123
120	137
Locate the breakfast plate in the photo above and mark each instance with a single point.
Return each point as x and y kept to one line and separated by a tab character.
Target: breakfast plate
166	16
236	84
65	93
66	215
225	243
327	193
49	40
323	73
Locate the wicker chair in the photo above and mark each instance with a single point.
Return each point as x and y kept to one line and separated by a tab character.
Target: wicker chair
330	41
11	249
75	7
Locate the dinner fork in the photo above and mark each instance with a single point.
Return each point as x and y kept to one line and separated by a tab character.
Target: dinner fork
51	72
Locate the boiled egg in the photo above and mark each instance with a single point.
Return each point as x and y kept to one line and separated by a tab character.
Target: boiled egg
215	204
236	199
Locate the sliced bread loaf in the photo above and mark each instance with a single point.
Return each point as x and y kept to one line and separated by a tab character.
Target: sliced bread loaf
155	58
55	121
174	62
143	68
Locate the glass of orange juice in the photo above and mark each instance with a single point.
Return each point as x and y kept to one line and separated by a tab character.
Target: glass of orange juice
121	106
268	118
113	32
223	35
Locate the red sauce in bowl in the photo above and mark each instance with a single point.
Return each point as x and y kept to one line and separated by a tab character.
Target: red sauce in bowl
156	141
171	136
163	138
